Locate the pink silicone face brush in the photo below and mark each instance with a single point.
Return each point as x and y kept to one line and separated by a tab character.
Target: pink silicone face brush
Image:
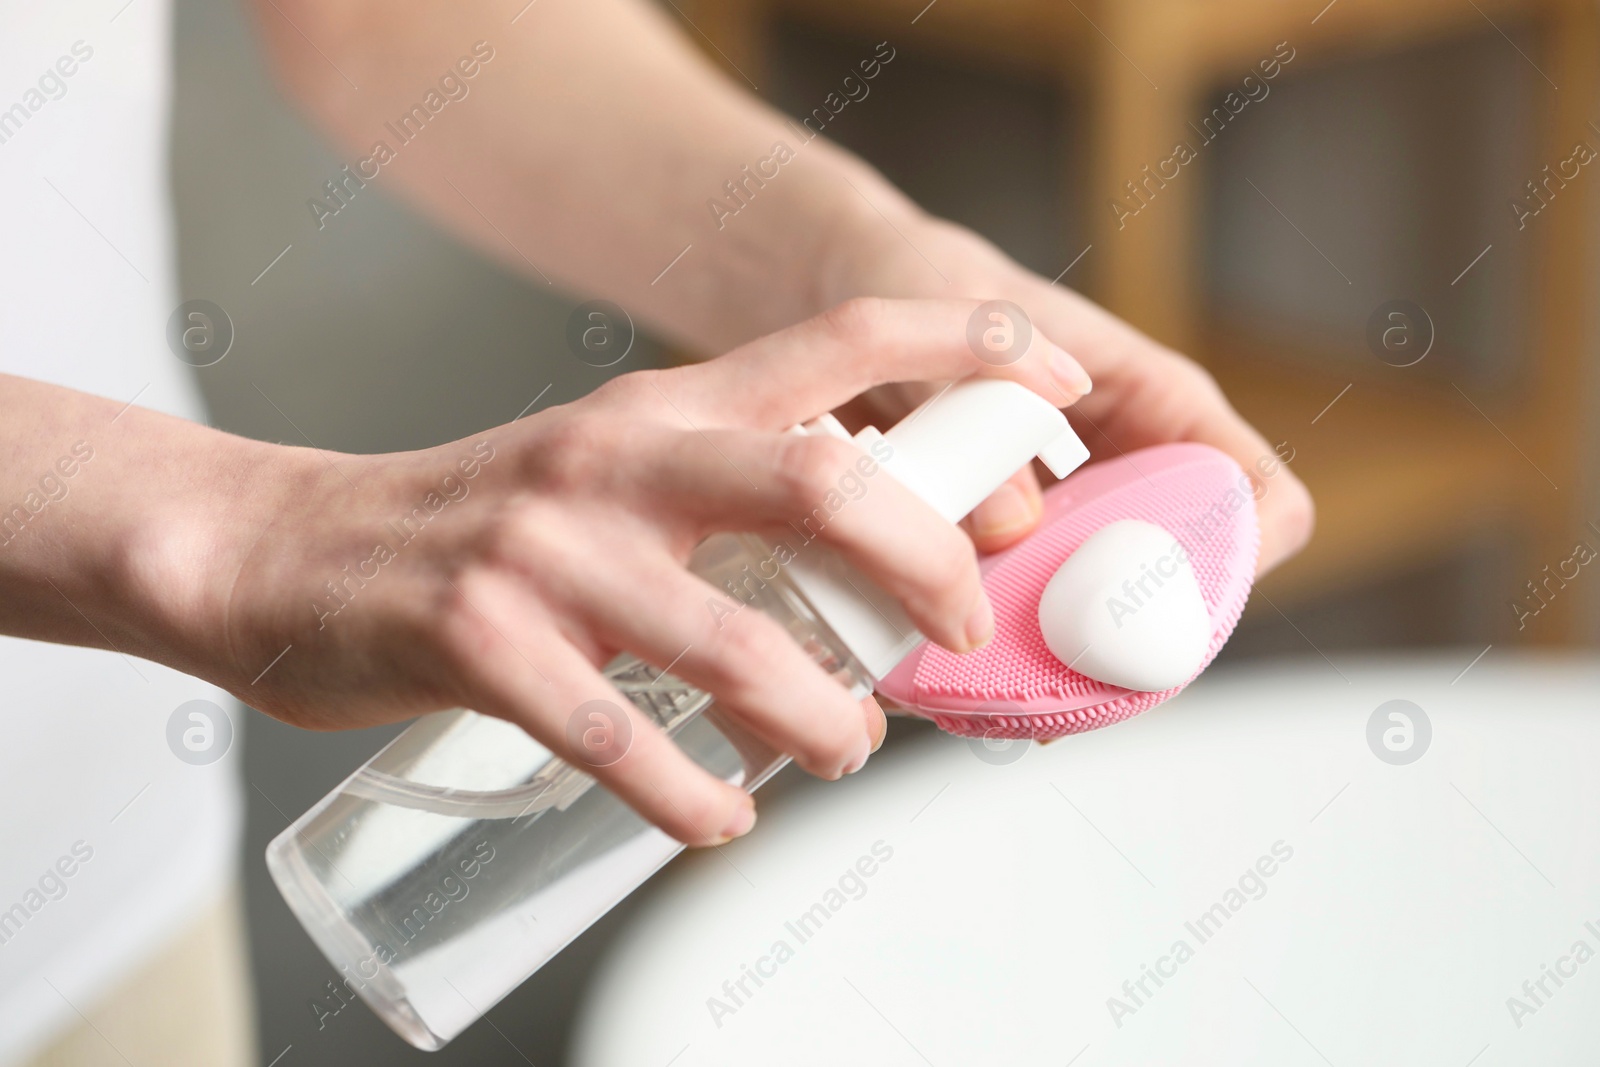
1015	686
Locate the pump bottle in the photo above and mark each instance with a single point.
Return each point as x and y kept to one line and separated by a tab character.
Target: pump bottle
464	855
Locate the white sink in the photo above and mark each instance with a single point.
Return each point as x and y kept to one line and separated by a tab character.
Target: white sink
1018	897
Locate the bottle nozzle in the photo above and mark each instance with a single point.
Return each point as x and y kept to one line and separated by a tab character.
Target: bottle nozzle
952	451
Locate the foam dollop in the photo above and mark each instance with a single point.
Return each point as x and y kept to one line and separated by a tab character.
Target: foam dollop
1126	608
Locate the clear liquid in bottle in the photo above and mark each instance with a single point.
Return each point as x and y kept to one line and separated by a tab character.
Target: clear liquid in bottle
464	856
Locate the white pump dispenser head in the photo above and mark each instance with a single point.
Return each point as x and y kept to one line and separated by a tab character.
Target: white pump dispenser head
952	451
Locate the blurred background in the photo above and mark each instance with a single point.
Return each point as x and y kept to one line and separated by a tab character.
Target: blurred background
1345	252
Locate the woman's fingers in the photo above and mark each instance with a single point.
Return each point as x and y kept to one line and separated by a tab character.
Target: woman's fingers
1147	394
549	689
998	522
731	649
1157	396
798	373
1008	515
1286	522
805	489
877	721
1283	503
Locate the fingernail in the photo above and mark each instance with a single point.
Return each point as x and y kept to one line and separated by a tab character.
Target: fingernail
980	623
877	724
743	820
867	749
1007	510
1070	376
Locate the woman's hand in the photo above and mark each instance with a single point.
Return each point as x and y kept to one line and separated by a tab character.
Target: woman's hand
1144	394
500	572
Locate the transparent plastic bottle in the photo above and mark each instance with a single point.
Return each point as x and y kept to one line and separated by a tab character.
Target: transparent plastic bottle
464	855
436	878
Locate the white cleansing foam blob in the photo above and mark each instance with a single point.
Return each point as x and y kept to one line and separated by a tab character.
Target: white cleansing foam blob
1126	609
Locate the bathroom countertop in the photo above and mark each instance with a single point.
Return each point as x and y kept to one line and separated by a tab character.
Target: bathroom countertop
1235	877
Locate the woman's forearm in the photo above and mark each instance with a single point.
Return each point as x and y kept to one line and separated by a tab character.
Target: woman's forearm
587	151
593	149
108	516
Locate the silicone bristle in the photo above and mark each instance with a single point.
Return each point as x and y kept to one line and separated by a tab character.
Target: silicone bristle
1014	687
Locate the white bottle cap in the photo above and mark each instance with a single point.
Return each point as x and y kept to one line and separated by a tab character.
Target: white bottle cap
952	451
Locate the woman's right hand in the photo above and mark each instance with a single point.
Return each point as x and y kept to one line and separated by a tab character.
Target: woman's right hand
502	571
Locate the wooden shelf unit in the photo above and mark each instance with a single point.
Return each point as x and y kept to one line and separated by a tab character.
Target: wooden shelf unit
1399	478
